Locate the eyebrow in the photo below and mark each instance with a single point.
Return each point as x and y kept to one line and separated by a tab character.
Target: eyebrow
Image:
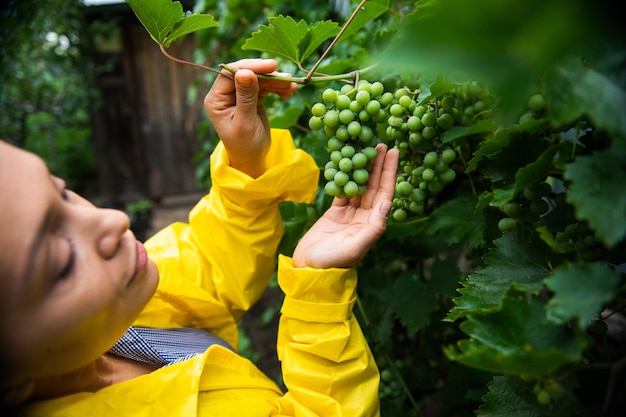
36	245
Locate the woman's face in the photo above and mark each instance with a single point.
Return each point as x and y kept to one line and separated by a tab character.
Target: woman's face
73	276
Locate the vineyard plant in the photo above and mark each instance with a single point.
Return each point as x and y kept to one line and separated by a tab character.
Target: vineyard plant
499	286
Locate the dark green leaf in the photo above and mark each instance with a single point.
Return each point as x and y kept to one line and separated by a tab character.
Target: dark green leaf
513	263
511	397
456	222
580	292
517	339
598	191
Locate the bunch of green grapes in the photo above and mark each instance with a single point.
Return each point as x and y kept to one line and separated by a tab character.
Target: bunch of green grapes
355	119
349	118
425	167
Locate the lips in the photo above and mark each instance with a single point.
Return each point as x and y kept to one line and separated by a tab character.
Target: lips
142	261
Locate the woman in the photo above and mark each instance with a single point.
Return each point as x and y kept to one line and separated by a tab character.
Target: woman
95	323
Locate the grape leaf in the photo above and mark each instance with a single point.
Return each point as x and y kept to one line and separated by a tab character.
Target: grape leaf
369	12
535	171
412	301
570	84
189	24
512	263
286	38
165	21
456	222
598	192
580	292
517	339
512	397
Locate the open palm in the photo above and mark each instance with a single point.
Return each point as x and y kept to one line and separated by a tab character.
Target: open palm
347	230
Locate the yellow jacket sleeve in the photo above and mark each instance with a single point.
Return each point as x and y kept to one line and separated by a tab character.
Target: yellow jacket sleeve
216	267
327	366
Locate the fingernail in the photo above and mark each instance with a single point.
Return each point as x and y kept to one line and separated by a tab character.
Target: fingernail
385	208
245	81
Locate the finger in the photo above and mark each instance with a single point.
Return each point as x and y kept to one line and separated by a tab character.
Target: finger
374	177
247	94
387	183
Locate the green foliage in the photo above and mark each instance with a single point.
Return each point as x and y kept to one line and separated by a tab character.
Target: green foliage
165	21
48	86
503	295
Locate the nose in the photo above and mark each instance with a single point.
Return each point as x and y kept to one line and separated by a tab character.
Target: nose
110	225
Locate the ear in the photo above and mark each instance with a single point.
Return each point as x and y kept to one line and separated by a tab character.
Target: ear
16	394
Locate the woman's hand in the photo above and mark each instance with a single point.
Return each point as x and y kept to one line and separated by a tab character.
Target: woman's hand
344	234
236	109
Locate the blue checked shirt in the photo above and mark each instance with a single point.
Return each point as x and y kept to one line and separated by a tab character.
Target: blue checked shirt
164	346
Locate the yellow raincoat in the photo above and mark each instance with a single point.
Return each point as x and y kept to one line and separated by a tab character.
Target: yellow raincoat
212	271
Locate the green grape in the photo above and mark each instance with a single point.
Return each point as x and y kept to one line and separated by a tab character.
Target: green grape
354	129
345	164
404	188
507	224
396	110
355	106
342	102
359	160
329	174
334	144
511	209
414	124
543	397
341	178
347	151
441	165
445	121
363	97
395	122
316	123
318	109
364	116
373	107
429	119
399	215
415	207
448	103
429	133
367	134
418	195
430	159
370	152
346	89
377	89
539	206
332	188
448	155
351	188
428	175
335	157
329	95
331	118
342	133
405	101
415	138
448	175
346	116
360	175
386	99
526	117
536	102
400	92
479	106
420	111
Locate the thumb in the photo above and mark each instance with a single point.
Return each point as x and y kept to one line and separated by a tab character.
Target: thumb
247	92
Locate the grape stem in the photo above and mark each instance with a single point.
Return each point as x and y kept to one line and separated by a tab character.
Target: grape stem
332	44
311	76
